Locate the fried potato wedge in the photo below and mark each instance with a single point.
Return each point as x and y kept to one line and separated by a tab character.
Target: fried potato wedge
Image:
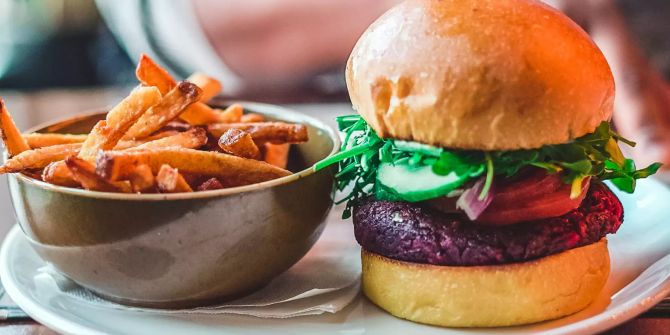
252	117
132	108
210	185
128	144
142	179
58	173
151	74
190	139
232	113
39	158
177	125
263	132
239	143
41	140
277	154
84	172
117	165
11	136
168	108
210	86
161	138
106	134
200	114
95	140
169	180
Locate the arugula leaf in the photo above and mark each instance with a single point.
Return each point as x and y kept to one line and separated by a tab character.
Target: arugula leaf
550	167
489	178
648	171
583	166
593	155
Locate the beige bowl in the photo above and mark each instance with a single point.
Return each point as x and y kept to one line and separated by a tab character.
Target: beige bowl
180	250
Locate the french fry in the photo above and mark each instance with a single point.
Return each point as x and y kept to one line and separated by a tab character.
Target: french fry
210	86
239	143
128	144
168	108
177	125
191	139
210	185
132	108
231	114
160	138
116	165
39	158
252	117
99	131
107	134
142	179
200	114
58	173
95	139
169	180
272	132
151	74
161	134
11	136
277	154
84	172
34	173
41	140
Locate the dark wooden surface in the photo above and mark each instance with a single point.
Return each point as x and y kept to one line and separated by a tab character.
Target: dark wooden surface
33	108
637	326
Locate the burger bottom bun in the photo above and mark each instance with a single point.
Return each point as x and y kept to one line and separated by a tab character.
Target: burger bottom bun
488	296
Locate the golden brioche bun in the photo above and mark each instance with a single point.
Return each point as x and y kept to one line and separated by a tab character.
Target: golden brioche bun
487	296
479	74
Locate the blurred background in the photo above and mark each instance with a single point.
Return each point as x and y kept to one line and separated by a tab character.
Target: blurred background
263	45
60	57
58	43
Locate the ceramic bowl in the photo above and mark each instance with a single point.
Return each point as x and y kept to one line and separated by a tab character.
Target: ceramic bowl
180	250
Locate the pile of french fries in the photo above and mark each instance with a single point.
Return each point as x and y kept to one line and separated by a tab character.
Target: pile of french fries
162	138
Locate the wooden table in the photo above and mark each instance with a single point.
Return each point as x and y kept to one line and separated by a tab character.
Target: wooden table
35	108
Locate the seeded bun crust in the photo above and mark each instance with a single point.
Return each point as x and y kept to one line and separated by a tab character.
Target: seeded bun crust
488	296
485	74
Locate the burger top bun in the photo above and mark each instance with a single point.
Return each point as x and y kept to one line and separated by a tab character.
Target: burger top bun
479	74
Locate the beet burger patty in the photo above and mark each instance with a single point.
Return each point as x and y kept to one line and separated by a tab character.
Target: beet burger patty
421	234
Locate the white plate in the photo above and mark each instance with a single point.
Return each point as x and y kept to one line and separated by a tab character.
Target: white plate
640	278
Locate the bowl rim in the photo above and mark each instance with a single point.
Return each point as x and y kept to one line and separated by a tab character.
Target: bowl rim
275	111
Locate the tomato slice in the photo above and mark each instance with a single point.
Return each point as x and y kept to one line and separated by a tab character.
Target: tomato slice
535	183
538	196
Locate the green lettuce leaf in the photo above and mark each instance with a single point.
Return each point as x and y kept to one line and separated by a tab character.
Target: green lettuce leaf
593	155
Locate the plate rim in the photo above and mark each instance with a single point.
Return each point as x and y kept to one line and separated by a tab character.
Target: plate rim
36	311
596	323
620	314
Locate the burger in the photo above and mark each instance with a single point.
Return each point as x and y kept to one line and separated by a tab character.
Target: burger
474	171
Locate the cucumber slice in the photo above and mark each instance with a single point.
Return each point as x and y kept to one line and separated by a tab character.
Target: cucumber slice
415	184
424	149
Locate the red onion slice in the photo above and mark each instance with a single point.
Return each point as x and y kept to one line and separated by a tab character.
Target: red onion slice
469	201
